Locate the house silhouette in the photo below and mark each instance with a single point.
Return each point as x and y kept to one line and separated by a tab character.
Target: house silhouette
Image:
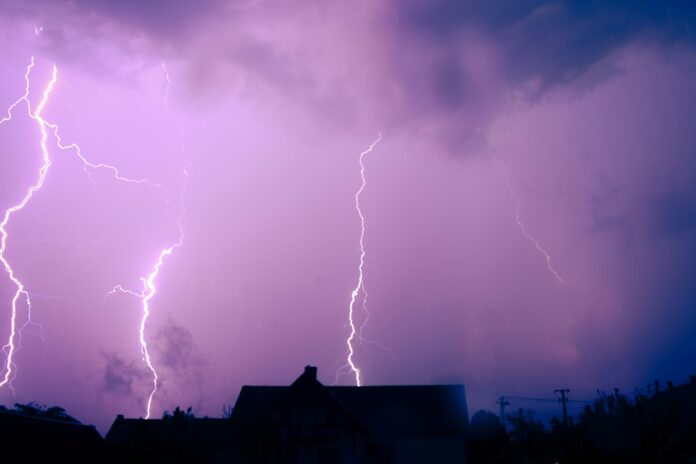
175	438
308	422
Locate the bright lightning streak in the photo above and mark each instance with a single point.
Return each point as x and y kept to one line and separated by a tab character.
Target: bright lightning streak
360	286
87	165
520	224
169	85
10	347
147	294
149	288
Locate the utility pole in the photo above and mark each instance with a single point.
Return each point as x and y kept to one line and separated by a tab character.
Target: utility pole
564	401
502	402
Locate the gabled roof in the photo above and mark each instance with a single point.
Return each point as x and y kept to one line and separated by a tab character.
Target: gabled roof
381	410
255	405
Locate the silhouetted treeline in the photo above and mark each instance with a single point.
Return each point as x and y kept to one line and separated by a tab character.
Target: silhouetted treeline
649	427
41	411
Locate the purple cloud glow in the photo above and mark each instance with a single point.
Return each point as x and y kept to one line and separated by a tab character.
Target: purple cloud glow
270	106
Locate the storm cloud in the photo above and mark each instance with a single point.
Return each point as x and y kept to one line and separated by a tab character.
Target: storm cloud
264	108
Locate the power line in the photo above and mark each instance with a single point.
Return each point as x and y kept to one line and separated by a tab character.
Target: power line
564	402
502	402
552	400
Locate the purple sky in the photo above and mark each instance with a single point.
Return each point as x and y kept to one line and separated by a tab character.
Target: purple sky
590	107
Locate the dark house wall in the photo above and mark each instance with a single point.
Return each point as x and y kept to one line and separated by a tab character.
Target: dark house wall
296	424
310	423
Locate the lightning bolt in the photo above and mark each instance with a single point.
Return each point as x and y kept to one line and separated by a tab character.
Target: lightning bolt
360	285
10	348
147	293
163	65
149	289
520	224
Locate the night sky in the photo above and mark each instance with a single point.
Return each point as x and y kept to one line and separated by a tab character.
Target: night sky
530	211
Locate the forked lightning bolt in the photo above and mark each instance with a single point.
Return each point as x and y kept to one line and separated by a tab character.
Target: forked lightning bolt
360	286
146	295
10	348
520	224
149	288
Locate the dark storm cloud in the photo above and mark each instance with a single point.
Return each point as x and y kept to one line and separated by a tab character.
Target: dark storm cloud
176	349
180	363
165	16
119	374
447	61
156	17
551	41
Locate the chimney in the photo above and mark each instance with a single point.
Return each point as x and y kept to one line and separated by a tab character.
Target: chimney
310	372
670	385
692	379
119	417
